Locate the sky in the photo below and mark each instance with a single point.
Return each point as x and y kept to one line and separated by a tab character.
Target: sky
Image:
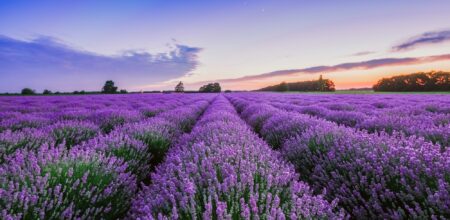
244	45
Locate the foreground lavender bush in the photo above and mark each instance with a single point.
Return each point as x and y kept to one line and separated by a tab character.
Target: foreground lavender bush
54	184
222	170
372	175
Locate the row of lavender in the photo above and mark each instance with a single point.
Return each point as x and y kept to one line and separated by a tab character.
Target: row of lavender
106	111
389	176
427	116
29	122
78	169
66	169
222	170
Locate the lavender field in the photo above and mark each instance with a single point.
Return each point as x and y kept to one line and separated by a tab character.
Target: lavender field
226	156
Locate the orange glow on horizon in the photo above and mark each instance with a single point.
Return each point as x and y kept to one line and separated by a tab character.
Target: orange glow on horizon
343	79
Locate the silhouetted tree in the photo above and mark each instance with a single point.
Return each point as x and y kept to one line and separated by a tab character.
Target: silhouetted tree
283	87
328	86
321	83
179	87
28	91
324	85
211	87
47	92
422	81
123	91
109	87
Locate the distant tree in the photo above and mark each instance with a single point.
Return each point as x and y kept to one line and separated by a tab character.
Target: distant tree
28	91
283	87
321	83
47	92
57	92
211	87
179	87
123	91
328	86
82	92
109	87
76	92
324	85
422	81
227	91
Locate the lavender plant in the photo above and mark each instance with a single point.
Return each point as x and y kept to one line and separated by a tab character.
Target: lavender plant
223	170
27	139
120	145
374	176
72	132
54	184
107	120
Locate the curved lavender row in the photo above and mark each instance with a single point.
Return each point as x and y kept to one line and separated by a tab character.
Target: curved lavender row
222	170
372	175
429	119
144	144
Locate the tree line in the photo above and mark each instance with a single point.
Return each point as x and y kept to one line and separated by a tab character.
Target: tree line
110	88
416	82
210	87
421	81
320	85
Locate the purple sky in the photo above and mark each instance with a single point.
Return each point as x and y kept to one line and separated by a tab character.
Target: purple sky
150	45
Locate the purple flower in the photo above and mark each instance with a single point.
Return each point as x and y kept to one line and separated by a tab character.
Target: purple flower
74	184
72	132
387	175
223	164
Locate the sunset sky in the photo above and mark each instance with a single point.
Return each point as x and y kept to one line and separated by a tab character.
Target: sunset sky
151	45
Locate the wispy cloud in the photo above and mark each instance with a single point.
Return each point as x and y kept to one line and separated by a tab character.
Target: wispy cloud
46	63
362	53
365	65
423	39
